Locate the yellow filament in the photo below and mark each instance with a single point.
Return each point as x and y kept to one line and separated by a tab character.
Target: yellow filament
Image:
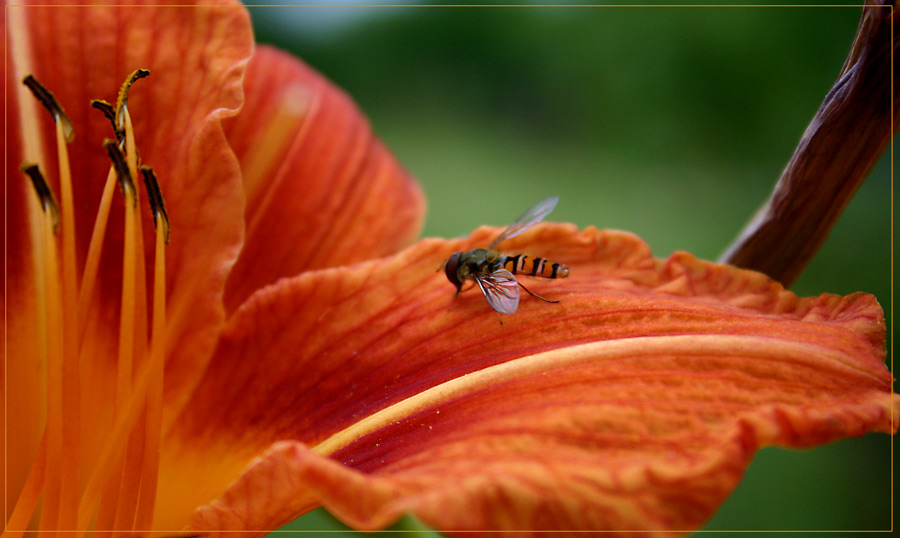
55	448
55	466
150	471
106	514
32	420
130	148
127	316
106	519
28	498
120	475
127	468
70	379
90	360
50	314
95	250
126	507
114	444
128	495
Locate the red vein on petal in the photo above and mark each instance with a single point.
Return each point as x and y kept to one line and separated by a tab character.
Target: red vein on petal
750	346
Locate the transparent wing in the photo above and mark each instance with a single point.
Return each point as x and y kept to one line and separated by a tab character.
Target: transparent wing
501	290
528	219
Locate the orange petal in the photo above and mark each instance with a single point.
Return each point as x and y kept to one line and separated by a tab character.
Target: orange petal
321	190
196	55
635	403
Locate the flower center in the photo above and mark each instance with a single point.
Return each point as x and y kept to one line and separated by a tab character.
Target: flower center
113	488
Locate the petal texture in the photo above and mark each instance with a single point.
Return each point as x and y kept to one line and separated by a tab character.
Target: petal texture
635	403
321	189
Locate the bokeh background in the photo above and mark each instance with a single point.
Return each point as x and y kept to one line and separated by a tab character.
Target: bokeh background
670	122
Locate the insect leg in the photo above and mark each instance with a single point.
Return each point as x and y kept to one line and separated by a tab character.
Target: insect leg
460	290
535	294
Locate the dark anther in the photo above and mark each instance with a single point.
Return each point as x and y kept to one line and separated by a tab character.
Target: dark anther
154	194
118	160
45	195
52	105
122	99
110	112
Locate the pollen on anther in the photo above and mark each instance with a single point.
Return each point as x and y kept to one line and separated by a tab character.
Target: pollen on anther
110	112
118	159
122	99
157	204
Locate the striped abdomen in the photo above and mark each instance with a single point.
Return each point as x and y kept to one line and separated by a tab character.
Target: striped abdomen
523	265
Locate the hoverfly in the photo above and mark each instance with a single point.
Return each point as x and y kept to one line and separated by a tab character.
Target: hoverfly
495	272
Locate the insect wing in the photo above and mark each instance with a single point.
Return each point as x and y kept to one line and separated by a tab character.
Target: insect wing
501	290
528	219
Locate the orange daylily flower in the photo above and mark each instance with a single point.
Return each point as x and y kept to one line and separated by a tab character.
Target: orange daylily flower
310	361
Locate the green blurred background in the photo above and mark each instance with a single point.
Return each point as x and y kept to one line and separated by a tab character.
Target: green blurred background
670	122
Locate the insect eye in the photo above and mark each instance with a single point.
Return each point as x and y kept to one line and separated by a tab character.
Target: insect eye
450	269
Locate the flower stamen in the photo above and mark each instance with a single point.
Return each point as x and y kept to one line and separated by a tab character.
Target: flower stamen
51	326
47	99
45	195
118	503
123	119
122	98
157	362
124	476
69	395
